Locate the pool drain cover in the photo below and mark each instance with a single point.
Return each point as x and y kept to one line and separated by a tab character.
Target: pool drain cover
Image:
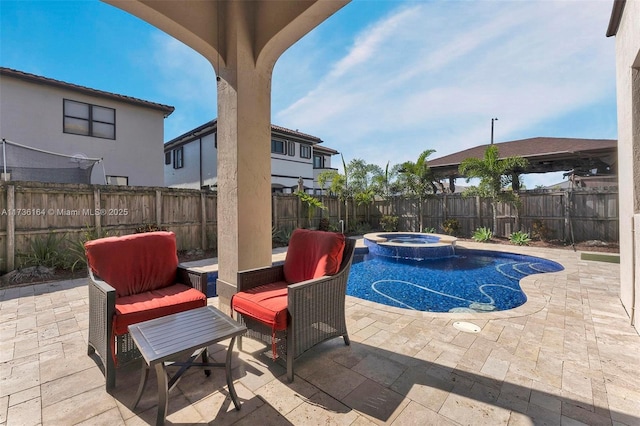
467	327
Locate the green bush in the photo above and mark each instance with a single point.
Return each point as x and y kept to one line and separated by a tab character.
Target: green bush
281	236
541	231
361	228
520	238
324	224
77	256
389	223
451	226
47	251
482	235
149	227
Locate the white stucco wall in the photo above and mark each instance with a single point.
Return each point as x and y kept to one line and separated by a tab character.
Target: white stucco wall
32	114
628	103
189	175
285	169
209	162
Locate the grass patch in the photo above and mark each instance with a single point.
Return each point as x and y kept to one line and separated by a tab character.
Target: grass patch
601	257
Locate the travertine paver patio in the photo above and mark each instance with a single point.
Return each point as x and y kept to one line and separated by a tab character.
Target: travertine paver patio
568	356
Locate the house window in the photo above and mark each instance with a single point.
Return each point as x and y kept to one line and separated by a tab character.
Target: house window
89	120
167	157
318	161
117	180
278	147
292	149
178	158
305	151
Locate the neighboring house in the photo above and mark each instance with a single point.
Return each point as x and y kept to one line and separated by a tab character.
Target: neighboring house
191	159
64	118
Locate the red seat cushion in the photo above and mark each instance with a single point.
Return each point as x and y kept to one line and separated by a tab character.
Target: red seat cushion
266	303
134	263
313	254
154	304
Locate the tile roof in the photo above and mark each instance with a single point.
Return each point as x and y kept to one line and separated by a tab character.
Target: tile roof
531	148
536	150
210	126
86	90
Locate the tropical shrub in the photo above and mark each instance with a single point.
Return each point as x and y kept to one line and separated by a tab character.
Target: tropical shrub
47	251
429	230
361	228
541	231
281	236
77	256
324	224
149	227
389	223
311	204
520	238
482	235
451	226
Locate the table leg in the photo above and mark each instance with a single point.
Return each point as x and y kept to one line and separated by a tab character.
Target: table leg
232	390
144	374
205	360
163	393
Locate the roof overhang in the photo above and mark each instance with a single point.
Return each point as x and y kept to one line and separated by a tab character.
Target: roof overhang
37	79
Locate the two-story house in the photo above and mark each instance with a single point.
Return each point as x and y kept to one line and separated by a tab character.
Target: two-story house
79	122
296	159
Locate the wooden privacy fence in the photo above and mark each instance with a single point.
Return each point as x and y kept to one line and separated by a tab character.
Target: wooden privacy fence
32	209
577	215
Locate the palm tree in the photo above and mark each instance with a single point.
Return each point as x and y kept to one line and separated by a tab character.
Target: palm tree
417	179
495	174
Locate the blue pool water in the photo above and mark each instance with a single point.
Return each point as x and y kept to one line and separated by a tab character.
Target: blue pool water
469	281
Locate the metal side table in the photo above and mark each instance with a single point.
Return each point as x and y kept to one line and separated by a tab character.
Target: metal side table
164	340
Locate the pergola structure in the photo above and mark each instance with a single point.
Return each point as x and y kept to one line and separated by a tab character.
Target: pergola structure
579	157
242	40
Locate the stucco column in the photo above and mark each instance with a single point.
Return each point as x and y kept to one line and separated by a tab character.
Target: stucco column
244	171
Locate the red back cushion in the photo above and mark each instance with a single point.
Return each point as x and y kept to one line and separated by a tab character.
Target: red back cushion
312	254
134	263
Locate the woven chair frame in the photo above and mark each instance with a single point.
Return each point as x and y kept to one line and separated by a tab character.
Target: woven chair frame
316	310
102	308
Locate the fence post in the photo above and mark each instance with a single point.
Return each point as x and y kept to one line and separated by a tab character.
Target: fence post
565	201
274	212
97	218
203	220
478	217
159	208
11	228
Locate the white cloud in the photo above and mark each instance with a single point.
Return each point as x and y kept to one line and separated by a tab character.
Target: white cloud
432	75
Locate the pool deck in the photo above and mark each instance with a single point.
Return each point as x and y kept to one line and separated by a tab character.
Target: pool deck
568	356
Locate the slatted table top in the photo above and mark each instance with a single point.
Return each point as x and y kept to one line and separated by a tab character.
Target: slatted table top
169	337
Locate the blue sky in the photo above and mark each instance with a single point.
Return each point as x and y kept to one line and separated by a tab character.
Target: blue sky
381	80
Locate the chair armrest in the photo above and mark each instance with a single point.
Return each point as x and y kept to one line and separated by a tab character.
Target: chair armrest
102	308
195	279
255	277
102	286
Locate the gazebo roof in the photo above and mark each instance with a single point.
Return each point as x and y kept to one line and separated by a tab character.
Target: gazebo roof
545	154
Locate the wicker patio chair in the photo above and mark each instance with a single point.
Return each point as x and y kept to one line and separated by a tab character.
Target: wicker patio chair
282	308
134	278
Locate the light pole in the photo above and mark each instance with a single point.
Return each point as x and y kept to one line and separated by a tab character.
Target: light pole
492	120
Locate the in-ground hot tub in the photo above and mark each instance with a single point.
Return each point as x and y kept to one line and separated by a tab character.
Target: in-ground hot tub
410	245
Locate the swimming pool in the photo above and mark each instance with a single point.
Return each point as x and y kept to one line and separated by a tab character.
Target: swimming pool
469	281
